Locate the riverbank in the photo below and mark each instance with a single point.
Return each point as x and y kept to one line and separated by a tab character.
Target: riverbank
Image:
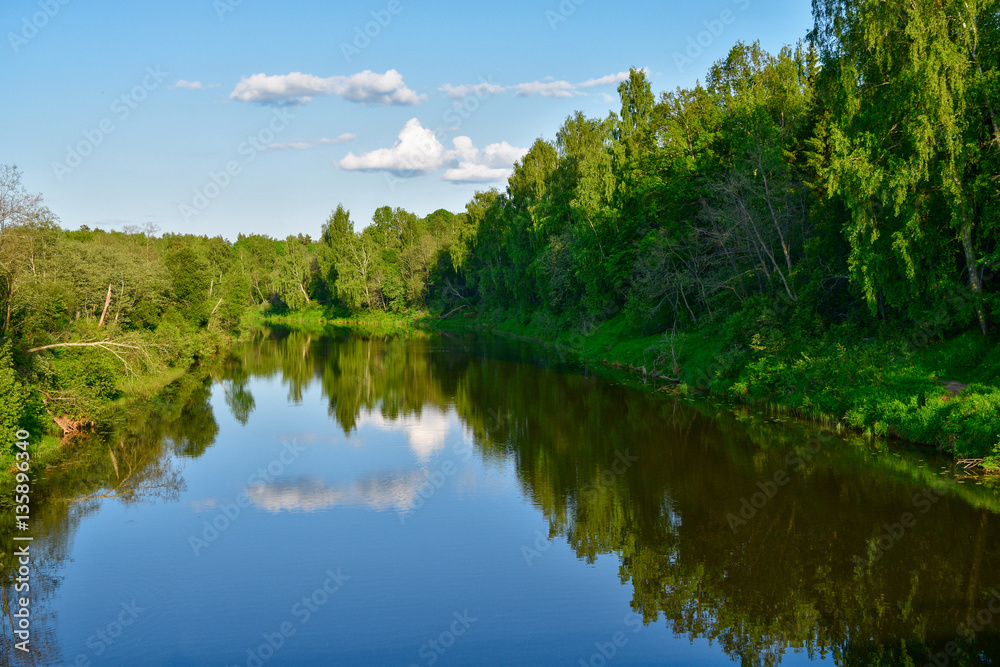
82	387
939	393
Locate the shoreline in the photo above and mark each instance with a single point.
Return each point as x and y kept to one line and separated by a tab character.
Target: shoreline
611	350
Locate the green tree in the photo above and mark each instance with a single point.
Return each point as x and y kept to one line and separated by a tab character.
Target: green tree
191	276
913	125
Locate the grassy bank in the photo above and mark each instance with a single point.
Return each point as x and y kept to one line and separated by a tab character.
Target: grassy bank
889	383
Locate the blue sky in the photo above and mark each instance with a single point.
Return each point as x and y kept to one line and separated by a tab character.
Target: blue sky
226	116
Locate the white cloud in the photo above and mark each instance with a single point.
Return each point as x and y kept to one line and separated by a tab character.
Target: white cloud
367	87
545	89
396	491
503	154
194	85
297	145
342	139
481	89
370	88
418	151
464	149
426	432
471	172
491	164
302	145
608	80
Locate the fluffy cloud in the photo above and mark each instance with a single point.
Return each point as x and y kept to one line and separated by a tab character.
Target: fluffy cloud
369	88
418	151
503	154
471	172
489	165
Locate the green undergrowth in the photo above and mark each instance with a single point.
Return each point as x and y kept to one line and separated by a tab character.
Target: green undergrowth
84	384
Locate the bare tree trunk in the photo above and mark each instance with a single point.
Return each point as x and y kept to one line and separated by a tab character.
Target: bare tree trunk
107	302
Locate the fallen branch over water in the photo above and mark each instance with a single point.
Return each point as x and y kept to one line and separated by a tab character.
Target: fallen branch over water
102	344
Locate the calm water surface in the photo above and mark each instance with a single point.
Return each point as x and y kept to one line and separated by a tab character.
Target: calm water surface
346	499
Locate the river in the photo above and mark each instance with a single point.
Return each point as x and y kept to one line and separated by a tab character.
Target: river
343	498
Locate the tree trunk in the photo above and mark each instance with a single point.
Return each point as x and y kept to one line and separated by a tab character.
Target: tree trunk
970	260
107	302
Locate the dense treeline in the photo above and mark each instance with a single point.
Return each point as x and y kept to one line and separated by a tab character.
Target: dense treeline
789	207
845	187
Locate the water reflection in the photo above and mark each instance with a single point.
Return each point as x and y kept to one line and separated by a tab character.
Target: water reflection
128	460
820	559
653	481
381	492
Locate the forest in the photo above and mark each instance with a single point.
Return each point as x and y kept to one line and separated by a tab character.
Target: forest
815	229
